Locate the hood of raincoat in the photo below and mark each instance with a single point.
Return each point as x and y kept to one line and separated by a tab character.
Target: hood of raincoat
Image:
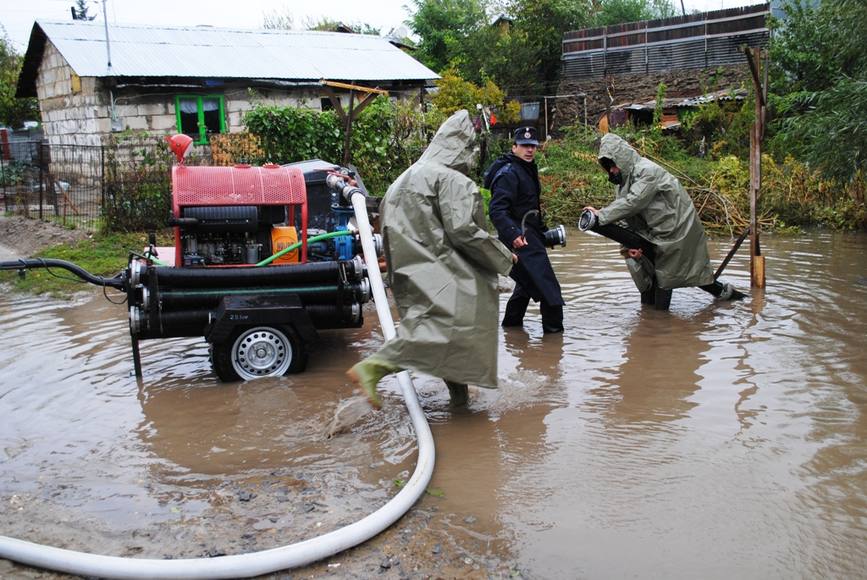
656	206
443	264
454	144
620	152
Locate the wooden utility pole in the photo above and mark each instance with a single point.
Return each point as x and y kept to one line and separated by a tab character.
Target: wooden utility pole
347	117
757	260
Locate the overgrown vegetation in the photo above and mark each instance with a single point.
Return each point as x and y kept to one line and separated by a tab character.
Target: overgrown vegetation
522	52
137	182
793	194
387	137
13	111
819	86
384	139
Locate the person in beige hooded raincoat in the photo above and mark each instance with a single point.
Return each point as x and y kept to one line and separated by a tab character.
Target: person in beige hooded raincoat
442	269
655	206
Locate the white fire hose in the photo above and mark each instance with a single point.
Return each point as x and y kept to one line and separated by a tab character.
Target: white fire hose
285	557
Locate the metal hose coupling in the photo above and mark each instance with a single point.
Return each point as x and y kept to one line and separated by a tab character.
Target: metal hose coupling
556	236
587	220
337	183
553	237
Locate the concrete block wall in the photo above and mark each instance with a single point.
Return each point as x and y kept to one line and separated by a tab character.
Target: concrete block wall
68	118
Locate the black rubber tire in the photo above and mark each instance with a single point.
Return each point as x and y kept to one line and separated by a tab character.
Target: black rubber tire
229	370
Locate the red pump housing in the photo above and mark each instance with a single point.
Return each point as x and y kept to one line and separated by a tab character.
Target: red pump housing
241	185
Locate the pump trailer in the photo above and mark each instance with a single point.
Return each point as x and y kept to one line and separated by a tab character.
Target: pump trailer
264	257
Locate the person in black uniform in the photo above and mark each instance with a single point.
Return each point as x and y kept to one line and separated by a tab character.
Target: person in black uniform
515	211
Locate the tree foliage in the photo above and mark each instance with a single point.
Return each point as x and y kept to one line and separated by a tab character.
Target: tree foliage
13	111
278	20
612	12
524	56
326	24
819	86
444	28
542	23
79	11
454	93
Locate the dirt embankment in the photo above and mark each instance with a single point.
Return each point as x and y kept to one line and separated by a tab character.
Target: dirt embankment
21	237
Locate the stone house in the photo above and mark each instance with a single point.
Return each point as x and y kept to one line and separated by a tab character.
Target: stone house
91	80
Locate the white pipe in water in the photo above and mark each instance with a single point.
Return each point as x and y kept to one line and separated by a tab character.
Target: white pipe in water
266	561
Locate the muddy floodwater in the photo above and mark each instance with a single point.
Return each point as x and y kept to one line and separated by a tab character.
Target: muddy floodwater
718	440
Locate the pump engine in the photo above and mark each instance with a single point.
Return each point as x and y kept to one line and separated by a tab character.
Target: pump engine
264	257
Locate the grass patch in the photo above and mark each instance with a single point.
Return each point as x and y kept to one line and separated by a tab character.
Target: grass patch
102	255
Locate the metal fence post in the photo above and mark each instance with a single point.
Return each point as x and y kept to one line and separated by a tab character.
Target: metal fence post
41	179
3	179
102	179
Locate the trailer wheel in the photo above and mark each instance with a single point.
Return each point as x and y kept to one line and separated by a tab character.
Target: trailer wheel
255	352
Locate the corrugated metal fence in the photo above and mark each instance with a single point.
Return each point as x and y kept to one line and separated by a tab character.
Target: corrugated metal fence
700	40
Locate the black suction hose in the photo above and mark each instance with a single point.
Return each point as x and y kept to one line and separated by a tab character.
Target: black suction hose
118	281
588	221
315	272
171	299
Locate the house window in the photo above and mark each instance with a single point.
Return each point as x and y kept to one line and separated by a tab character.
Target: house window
200	115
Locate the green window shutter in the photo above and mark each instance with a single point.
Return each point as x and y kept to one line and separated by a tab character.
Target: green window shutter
200	115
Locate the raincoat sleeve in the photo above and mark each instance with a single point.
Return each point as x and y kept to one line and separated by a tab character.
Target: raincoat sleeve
639	196
504	190
459	202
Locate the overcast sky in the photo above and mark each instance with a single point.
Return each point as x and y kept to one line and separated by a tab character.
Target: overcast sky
17	16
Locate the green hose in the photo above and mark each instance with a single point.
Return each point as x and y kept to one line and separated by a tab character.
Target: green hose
297	245
154	259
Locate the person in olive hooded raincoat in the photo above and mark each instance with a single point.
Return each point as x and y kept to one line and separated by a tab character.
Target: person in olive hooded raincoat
442	268
655	205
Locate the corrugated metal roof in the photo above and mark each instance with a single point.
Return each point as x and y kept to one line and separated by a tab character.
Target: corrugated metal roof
156	51
688	102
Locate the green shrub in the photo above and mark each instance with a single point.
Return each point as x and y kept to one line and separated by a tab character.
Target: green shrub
137	183
11	173
289	134
387	137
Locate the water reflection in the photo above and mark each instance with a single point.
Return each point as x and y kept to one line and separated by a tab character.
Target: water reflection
661	358
540	355
712	441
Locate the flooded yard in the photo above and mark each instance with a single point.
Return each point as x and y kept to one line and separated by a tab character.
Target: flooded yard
716	440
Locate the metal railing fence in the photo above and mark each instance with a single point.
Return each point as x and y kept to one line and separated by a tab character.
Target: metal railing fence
122	185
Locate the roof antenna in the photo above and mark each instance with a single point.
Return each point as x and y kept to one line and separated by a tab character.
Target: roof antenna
107	44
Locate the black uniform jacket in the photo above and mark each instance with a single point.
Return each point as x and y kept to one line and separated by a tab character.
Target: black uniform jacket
515	191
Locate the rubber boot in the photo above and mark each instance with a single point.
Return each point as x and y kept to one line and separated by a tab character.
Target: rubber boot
661	299
516	307
648	296
552	318
367	374
459	394
723	291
